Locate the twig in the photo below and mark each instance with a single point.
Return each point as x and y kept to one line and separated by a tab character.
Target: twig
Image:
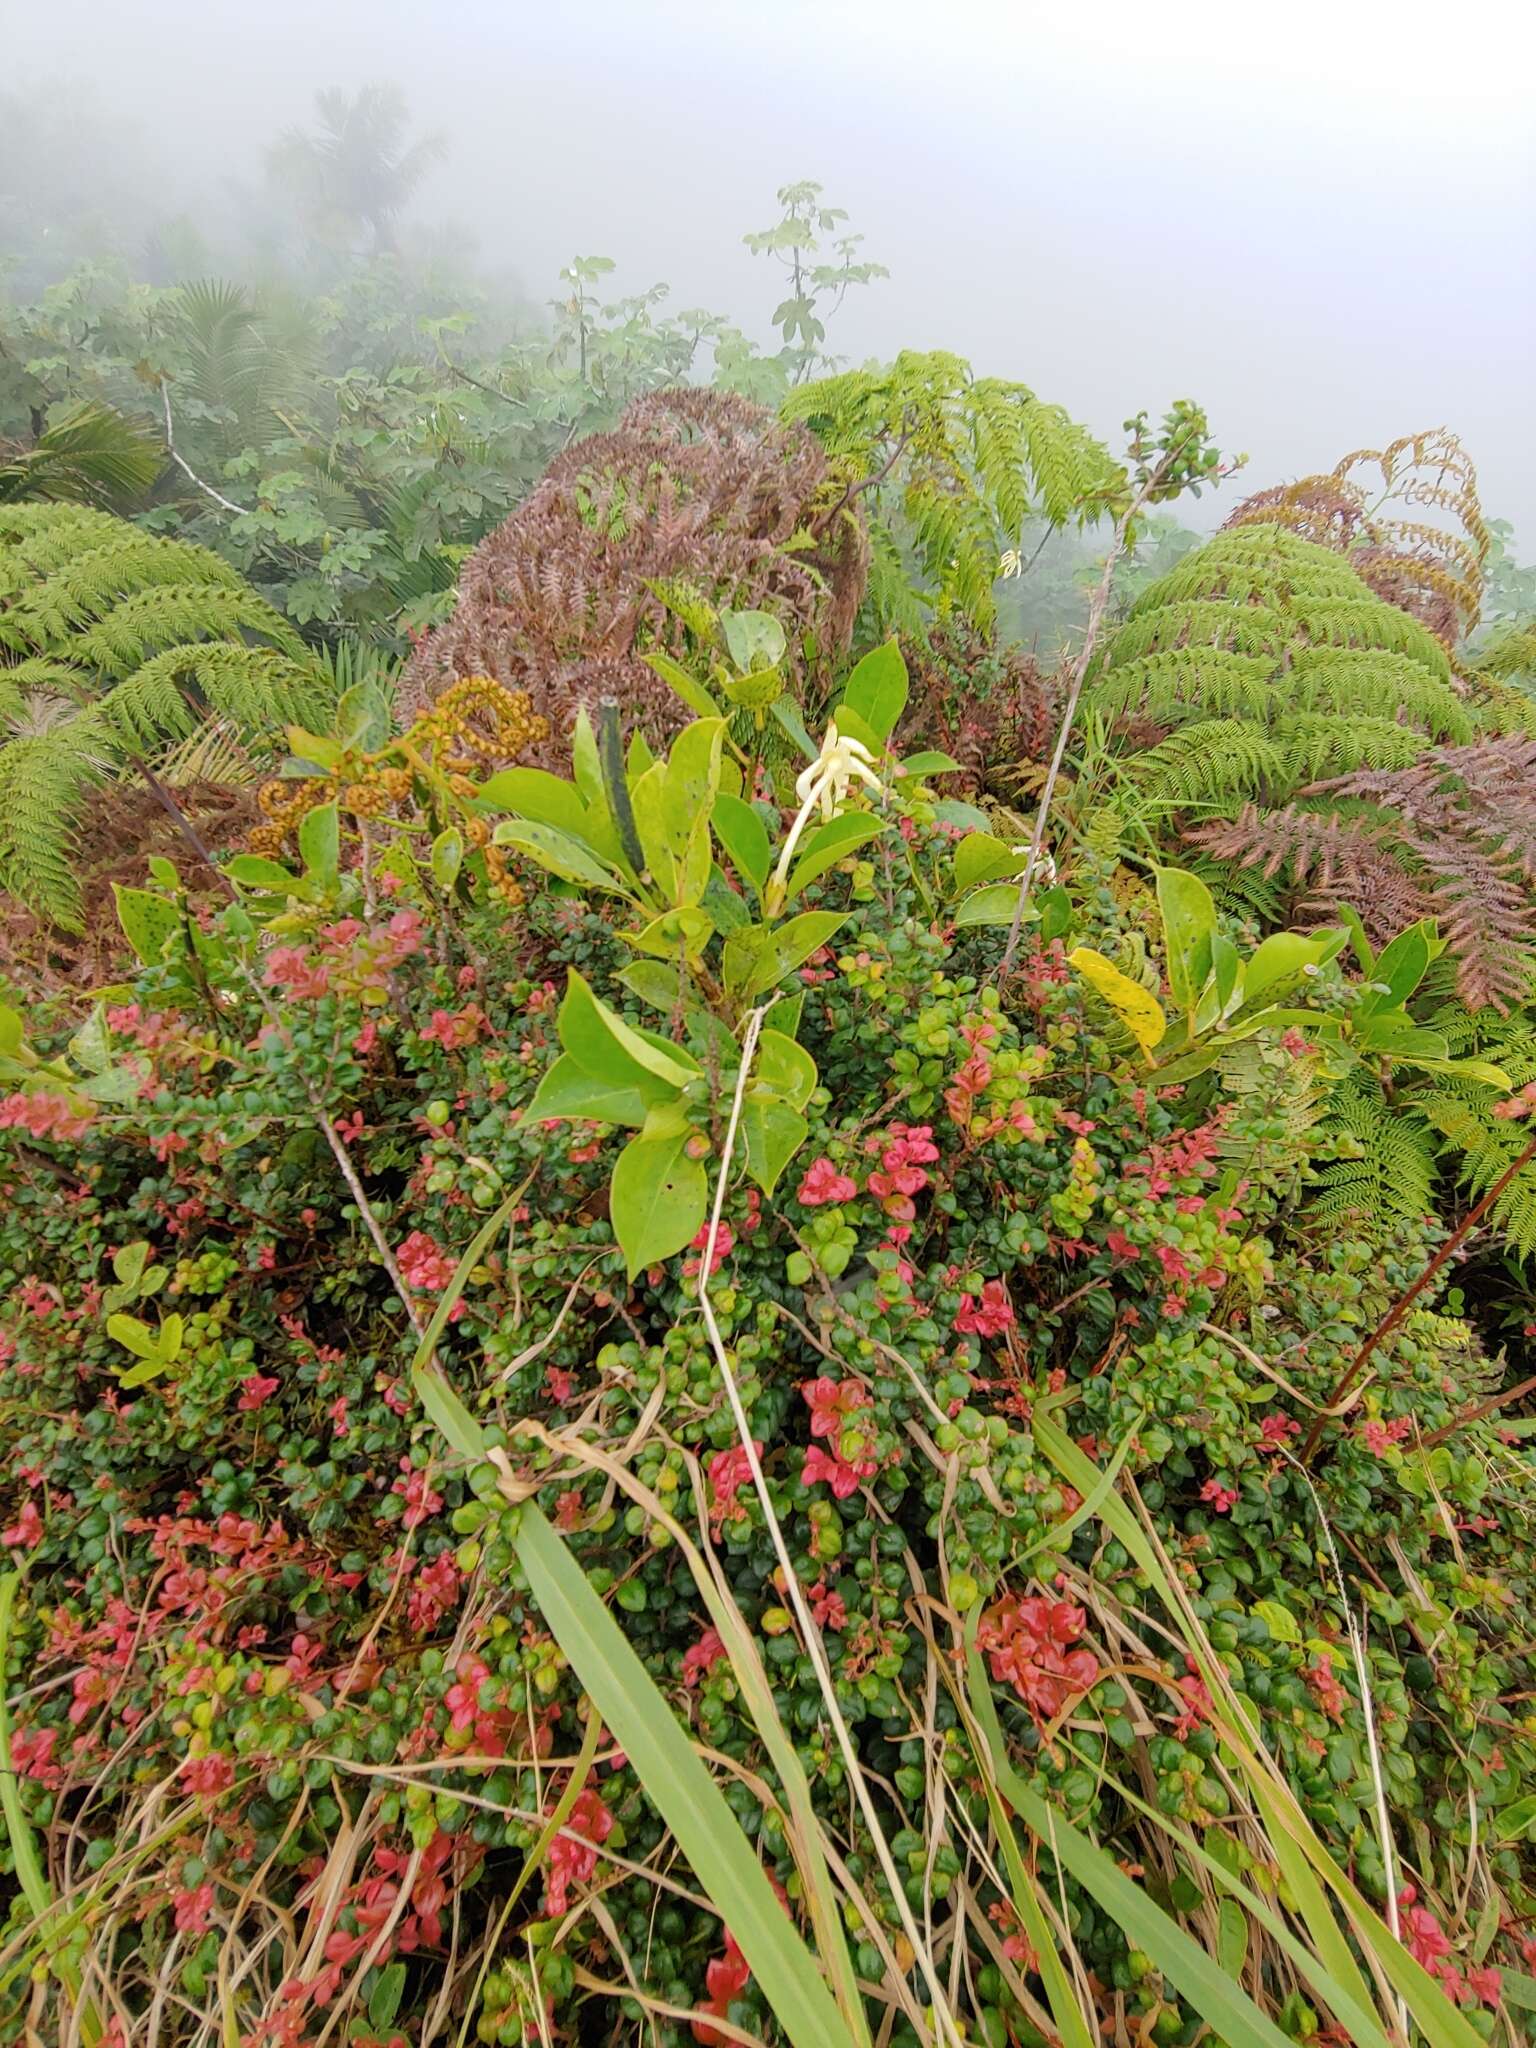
1494	1401
186	468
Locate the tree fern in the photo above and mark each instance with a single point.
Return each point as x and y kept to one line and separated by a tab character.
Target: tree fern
88	454
951	468
115	644
150	620
1350	765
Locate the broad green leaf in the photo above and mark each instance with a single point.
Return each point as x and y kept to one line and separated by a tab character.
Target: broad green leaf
128	1262
666	1120
12	1031
639	759
787	945
447	856
648	798
745	838
652	983
1232	1938
830	843
727	1868
1399	968
692	692
170	1338
1138	1007
784	1068
687	930
983	857
384	1999
930	762
362	717
1057	916
133	1335
877	691
562	855
320	843
697	865
313	746
853	727
993	905
255	871
772	1133
148	922
600	1041
693	779
1280	1621
953	810
1280	959
585	766
787	712
1470	1070
1514	1823
1394	1033
568	1090
656	1200
91	1046
541	798
1189	925
1360	945
755	639
1225	970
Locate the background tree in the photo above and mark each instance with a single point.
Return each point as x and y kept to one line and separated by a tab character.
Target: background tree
358	169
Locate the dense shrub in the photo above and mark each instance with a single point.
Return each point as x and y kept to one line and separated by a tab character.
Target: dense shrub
277	1630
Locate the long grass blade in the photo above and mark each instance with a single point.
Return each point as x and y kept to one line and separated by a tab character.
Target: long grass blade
669	1767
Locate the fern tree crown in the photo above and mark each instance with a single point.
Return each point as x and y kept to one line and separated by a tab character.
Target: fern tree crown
115	645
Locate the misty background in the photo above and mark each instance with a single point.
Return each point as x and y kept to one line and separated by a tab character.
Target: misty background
1319	222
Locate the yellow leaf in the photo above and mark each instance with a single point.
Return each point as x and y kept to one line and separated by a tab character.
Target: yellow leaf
1142	1012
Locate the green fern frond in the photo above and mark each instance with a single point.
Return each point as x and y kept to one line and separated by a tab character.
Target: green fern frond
44	779
1200	623
123	643
1368	621
1320	743
214	753
1170	686
1388	1189
952	467
1377	683
1512	654
1290	1098
154	619
1218	762
89	585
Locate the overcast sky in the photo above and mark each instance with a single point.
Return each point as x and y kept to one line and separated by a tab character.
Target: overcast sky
1318	217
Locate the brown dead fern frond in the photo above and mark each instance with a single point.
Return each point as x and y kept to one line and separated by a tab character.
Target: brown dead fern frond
1450	836
1431	569
695	489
